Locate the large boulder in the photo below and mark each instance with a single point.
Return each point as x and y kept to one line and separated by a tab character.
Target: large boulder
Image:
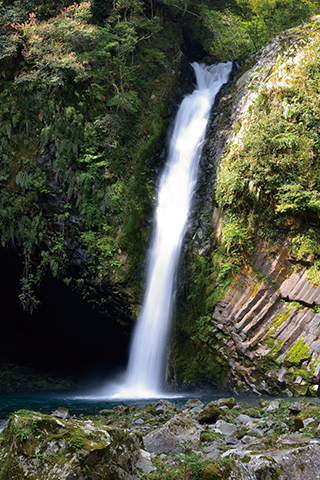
43	447
173	437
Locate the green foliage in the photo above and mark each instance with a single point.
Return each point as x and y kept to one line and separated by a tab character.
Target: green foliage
76	441
246	25
298	353
58	48
279	319
274	353
314	273
268	185
192	467
77	99
226	34
292	198
234	235
84	104
305	244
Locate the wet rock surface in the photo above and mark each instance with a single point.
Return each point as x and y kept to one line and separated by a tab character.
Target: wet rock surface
244	442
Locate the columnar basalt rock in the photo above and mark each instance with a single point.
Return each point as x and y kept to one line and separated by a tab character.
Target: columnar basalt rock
273	326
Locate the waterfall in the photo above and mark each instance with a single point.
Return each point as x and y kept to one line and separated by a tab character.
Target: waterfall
177	185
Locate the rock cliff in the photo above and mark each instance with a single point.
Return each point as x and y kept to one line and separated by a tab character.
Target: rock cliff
274	326
256	246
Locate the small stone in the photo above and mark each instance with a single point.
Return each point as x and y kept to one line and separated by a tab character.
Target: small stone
62	413
311	421
192	403
163	406
274	405
212	455
263	403
247	439
228	402
232	441
255	431
195	411
144	463
225	428
314	390
209	414
244	419
296	407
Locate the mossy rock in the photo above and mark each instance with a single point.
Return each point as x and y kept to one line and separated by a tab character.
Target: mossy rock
301	389
229	402
42	447
211	472
298	423
107	412
263	403
210	414
208	437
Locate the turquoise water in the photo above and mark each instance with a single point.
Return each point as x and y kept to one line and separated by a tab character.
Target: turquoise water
79	403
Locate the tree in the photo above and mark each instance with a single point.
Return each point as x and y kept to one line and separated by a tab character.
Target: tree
56	50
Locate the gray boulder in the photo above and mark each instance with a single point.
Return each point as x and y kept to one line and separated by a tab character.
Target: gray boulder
173	436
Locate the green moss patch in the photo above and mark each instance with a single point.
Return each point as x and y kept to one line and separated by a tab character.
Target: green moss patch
298	353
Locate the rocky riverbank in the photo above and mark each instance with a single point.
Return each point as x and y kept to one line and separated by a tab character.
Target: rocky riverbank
275	440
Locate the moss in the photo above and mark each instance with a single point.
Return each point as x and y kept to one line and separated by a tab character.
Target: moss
280	318
313	274
298	353
252	412
63	444
229	402
210	414
191	363
274	354
301	389
246	459
208	437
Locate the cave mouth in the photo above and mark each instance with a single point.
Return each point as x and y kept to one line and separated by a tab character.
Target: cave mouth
192	48
64	336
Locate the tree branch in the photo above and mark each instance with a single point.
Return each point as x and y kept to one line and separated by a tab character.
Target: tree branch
185	10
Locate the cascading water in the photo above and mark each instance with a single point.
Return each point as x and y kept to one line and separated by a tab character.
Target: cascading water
145	369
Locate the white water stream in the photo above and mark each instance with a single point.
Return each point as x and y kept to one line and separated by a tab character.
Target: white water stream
144	376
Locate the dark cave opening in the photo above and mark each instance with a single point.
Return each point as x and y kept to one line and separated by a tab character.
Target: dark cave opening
65	335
